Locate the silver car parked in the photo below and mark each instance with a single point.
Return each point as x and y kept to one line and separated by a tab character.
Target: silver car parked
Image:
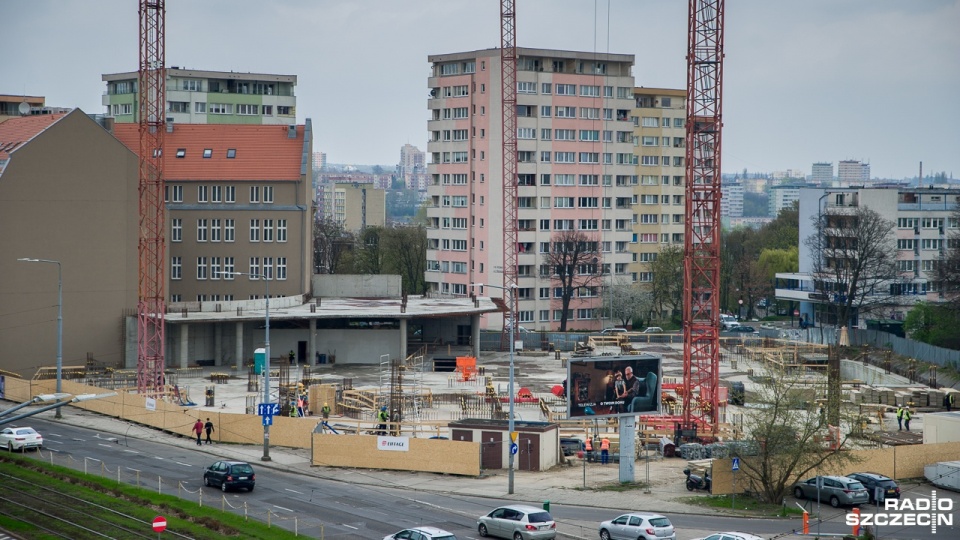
839	490
518	522
638	525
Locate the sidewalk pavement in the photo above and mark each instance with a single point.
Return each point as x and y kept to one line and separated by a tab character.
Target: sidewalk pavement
561	485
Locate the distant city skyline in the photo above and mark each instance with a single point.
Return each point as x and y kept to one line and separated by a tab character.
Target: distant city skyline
804	82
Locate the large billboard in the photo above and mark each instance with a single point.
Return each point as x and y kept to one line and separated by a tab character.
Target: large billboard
613	386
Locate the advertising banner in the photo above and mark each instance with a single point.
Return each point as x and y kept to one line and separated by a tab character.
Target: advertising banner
613	386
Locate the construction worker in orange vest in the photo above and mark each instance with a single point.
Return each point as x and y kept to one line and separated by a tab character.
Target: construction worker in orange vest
588	448
604	450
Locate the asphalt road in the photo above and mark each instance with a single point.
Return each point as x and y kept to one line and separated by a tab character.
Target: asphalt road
342	511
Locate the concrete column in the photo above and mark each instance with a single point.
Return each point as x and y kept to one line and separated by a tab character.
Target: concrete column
312	348
184	344
403	339
239	347
475	335
628	452
217	343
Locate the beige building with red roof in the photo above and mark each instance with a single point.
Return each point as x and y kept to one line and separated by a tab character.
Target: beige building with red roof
238	201
68	193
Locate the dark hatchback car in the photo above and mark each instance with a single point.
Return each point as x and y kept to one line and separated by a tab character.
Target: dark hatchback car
872	481
229	475
742	330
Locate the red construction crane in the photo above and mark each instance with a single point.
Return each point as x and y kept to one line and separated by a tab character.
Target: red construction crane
508	89
701	263
152	248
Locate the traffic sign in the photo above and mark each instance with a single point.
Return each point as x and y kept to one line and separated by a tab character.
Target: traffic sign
514	435
159	524
514	448
736	464
268	409
267	420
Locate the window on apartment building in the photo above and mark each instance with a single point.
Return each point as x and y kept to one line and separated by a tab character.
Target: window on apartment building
268	268
566	89
201	268
650	161
587	202
176	268
254	230
281	268
589	135
268	194
230	194
565	112
216	194
564	157
181	153
178	106
284	110
202	193
215	268
563	202
215	230
201	230
526	133
589	157
254	194
176	230
268	230
589	179
524	87
229	230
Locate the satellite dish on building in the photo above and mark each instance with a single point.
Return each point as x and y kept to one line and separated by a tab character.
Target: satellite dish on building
24	108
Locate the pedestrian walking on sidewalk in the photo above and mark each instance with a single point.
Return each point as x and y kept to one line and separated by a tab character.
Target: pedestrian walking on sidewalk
198	429
208	427
604	450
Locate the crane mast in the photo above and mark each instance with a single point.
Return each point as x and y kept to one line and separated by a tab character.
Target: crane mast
701	266
151	248
508	88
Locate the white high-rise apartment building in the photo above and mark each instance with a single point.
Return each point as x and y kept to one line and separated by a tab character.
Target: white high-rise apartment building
731	201
576	166
822	173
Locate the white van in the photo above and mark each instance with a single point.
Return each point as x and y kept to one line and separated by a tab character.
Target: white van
728	321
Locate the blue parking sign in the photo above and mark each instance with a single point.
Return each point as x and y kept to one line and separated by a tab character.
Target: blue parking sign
736	464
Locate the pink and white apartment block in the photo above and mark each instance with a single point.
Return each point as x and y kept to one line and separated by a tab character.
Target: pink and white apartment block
576	167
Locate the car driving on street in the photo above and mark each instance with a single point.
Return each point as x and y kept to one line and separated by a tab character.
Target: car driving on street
518	522
229	475
638	525
19	438
421	533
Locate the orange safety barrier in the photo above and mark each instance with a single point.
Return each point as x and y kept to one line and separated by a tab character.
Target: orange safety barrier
856	526
806	523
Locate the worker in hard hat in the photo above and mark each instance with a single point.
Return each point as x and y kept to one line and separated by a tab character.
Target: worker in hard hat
325	411
382	418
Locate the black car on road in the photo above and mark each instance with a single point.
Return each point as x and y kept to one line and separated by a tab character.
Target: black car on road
872	481
229	475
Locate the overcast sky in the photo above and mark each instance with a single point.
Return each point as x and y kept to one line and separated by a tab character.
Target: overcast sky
804	80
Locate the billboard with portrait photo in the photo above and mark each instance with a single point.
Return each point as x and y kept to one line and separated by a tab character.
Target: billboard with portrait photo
613	386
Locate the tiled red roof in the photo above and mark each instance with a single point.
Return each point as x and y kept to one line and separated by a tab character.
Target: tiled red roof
262	152
16	132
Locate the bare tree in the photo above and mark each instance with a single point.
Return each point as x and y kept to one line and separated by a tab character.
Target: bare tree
667	284
574	262
946	272
786	438
854	263
330	243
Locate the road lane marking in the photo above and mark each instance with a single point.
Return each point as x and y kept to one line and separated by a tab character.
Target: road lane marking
131	451
351	526
184	464
282	508
107	445
294	491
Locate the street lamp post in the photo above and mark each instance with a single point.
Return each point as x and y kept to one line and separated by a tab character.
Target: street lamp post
511	292
59	323
266	367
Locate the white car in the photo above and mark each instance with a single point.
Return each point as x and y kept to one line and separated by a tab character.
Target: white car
421	533
638	525
732	536
18	438
613	331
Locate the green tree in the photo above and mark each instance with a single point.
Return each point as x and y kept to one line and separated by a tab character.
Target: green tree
405	253
667	283
626	301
